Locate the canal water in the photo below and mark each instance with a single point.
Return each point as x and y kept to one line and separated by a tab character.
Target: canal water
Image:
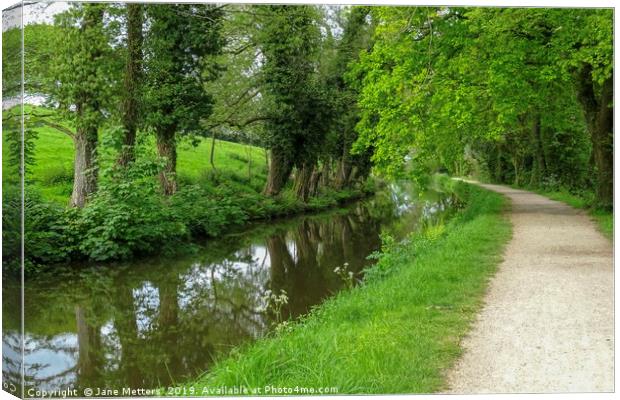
156	322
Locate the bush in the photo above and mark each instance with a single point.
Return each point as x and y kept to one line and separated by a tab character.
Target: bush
127	216
48	234
47	230
11	226
206	212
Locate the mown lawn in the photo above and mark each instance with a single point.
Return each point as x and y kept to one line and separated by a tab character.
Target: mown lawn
397	333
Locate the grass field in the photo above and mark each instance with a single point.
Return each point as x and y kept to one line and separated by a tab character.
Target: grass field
52	172
395	334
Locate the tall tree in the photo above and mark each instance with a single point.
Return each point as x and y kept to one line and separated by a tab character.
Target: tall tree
356	38
84	71
178	42
288	41
132	81
585	50
237	109
461	88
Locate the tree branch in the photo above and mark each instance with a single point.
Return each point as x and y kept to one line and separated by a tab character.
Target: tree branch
59	128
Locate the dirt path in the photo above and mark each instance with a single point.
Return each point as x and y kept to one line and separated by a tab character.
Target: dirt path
547	323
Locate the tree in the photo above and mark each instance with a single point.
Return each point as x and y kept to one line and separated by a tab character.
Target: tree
460	89
84	70
132	82
583	46
288	41
178	41
237	108
356	39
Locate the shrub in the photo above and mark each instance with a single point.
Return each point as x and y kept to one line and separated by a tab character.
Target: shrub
11	226
128	216
206	212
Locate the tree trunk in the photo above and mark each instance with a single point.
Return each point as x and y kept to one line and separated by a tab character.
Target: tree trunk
302	181
166	148
280	169
325	173
212	155
352	176
499	166
85	166
85	139
314	181
539	166
604	147
515	163
599	116
131	83
344	171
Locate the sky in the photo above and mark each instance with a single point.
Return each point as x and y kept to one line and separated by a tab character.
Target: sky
39	12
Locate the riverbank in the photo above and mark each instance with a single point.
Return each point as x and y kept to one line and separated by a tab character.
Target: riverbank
398	331
146	224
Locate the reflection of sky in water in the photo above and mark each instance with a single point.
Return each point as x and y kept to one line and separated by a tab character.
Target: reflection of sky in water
146	302
51	361
11	356
402	199
110	339
247	269
292	248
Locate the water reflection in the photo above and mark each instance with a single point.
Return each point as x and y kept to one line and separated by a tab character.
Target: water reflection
154	322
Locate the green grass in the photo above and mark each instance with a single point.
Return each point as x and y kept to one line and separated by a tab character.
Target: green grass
52	172
395	334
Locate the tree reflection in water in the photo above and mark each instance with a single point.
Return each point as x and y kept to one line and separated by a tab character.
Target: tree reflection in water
155	322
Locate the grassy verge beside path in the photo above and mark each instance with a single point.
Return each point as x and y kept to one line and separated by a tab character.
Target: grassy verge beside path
396	333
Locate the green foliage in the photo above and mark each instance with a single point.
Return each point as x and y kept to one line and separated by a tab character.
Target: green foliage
86	66
11	62
49	236
356	38
128	217
176	44
207	213
11	226
488	91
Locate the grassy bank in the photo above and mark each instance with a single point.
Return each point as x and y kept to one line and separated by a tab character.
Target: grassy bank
396	333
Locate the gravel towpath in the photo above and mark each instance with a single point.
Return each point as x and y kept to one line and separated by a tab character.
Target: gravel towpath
548	320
